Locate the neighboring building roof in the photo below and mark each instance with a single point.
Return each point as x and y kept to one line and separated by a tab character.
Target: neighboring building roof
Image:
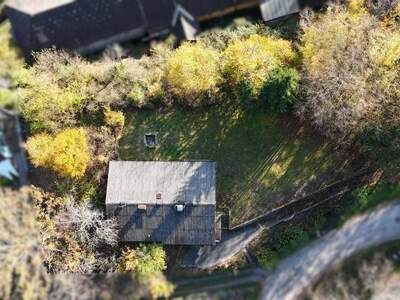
273	9
139	182
33	7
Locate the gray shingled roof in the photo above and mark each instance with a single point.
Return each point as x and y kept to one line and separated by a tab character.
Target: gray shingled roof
33	7
139	182
162	223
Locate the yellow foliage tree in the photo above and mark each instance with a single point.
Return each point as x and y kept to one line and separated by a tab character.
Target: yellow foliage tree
66	153
114	118
254	58
192	72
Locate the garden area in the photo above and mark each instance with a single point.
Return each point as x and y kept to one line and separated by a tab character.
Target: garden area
263	159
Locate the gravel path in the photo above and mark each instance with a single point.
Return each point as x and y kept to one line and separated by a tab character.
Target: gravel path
299	271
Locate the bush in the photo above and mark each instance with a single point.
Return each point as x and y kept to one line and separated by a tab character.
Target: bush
114	118
280	90
248	62
144	260
291	240
192	74
267	257
66	153
59	88
159	286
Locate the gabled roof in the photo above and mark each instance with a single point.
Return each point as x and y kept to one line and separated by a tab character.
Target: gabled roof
33	7
163	183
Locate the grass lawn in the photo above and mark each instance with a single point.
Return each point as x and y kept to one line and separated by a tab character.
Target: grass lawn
262	159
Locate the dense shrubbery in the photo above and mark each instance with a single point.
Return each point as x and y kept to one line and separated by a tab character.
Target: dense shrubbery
280	89
192	72
66	153
148	262
248	62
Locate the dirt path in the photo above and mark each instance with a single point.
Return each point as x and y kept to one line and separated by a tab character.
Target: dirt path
299	271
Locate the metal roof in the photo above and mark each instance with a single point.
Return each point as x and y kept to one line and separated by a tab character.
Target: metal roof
156	182
33	7
273	9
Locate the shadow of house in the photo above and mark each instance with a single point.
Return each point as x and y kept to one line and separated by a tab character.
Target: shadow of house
168	202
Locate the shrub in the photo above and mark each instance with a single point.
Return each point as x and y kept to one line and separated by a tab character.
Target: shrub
144	260
45	105
192	74
280	90
66	153
291	240
249	61
159	286
114	118
11	59
267	257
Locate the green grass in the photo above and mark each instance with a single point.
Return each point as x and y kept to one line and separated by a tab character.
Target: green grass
261	158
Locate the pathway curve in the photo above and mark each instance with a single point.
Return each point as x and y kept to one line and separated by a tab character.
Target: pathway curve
297	272
238	238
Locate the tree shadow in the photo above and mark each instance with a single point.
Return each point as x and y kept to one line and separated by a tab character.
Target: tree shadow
262	159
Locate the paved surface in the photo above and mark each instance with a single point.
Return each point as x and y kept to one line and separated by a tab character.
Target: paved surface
233	242
294	274
237	239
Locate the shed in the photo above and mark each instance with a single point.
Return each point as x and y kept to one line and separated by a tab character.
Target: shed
168	202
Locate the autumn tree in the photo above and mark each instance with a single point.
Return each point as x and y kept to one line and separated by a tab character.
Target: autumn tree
147	262
67	152
351	77
192	73
76	237
23	274
246	63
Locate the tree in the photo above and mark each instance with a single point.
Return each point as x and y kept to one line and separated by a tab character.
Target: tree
144	260
66	152
76	237
249	61
192	74
147	263
350	74
23	274
280	90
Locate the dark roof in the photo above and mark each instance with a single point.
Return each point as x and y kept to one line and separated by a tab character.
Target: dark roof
162	223
138	182
33	7
157	187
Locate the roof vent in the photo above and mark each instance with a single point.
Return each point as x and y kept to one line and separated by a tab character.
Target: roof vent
179	207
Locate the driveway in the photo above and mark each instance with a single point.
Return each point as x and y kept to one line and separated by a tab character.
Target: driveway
299	271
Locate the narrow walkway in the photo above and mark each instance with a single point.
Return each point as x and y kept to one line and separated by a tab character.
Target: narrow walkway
238	238
219	282
298	272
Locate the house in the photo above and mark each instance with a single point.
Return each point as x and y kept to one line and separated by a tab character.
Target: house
86	26
173	203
